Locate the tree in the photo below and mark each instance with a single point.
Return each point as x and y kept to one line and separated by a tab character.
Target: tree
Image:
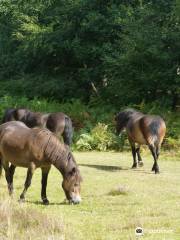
121	51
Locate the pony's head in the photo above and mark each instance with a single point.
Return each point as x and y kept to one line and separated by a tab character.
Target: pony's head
61	157
34	119
20	114
72	182
122	118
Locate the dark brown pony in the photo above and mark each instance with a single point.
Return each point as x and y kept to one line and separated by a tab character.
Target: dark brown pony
142	129
58	123
33	148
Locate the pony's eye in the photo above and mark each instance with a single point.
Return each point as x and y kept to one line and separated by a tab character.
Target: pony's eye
69	156
76	184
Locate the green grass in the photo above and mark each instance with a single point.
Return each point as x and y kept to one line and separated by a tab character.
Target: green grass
116	200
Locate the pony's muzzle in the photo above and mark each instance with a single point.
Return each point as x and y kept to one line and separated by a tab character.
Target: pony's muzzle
76	200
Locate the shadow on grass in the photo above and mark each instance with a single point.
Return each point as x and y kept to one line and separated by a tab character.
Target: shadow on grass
50	204
104	167
116	168
140	170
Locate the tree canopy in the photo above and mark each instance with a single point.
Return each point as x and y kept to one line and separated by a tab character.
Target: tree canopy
122	51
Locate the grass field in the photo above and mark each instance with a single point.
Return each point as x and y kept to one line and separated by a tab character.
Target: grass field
116	200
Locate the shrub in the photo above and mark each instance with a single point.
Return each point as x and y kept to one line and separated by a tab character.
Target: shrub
171	143
93	123
100	138
85	142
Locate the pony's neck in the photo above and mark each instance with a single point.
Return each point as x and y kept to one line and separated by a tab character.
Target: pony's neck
56	153
63	165
125	122
58	163
127	118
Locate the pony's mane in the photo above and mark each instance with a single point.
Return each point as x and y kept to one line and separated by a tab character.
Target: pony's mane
49	146
127	111
131	110
126	114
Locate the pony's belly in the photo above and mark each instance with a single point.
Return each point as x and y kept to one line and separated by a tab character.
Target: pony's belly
140	139
137	136
19	162
17	158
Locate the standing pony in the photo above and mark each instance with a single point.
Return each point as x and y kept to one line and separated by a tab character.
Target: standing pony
58	123
37	148
142	129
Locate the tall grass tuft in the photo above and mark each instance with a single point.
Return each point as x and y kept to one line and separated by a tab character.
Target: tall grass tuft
22	222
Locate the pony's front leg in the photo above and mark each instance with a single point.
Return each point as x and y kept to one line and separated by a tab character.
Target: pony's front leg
9	172
140	162
45	172
133	148
27	184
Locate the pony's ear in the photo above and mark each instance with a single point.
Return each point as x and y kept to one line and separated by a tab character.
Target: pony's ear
69	156
73	171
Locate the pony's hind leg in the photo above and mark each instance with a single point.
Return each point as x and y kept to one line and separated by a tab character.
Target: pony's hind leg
45	172
140	162
27	184
158	151
153	150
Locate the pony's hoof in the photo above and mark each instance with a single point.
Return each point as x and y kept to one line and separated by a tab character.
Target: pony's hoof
21	200
45	202
157	172
134	166
11	195
141	164
153	169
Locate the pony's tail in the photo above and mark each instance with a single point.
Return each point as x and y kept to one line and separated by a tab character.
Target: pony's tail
68	131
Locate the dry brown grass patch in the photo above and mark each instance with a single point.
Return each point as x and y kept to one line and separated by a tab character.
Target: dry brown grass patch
22	222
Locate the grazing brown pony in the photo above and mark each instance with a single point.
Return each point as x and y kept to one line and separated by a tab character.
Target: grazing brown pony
33	148
142	129
58	123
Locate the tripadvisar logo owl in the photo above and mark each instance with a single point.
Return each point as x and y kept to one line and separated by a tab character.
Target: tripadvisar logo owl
139	231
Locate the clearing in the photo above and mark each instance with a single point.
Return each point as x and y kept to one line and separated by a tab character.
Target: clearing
116	200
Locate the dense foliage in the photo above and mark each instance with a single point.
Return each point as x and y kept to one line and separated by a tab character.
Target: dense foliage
94	127
120	52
